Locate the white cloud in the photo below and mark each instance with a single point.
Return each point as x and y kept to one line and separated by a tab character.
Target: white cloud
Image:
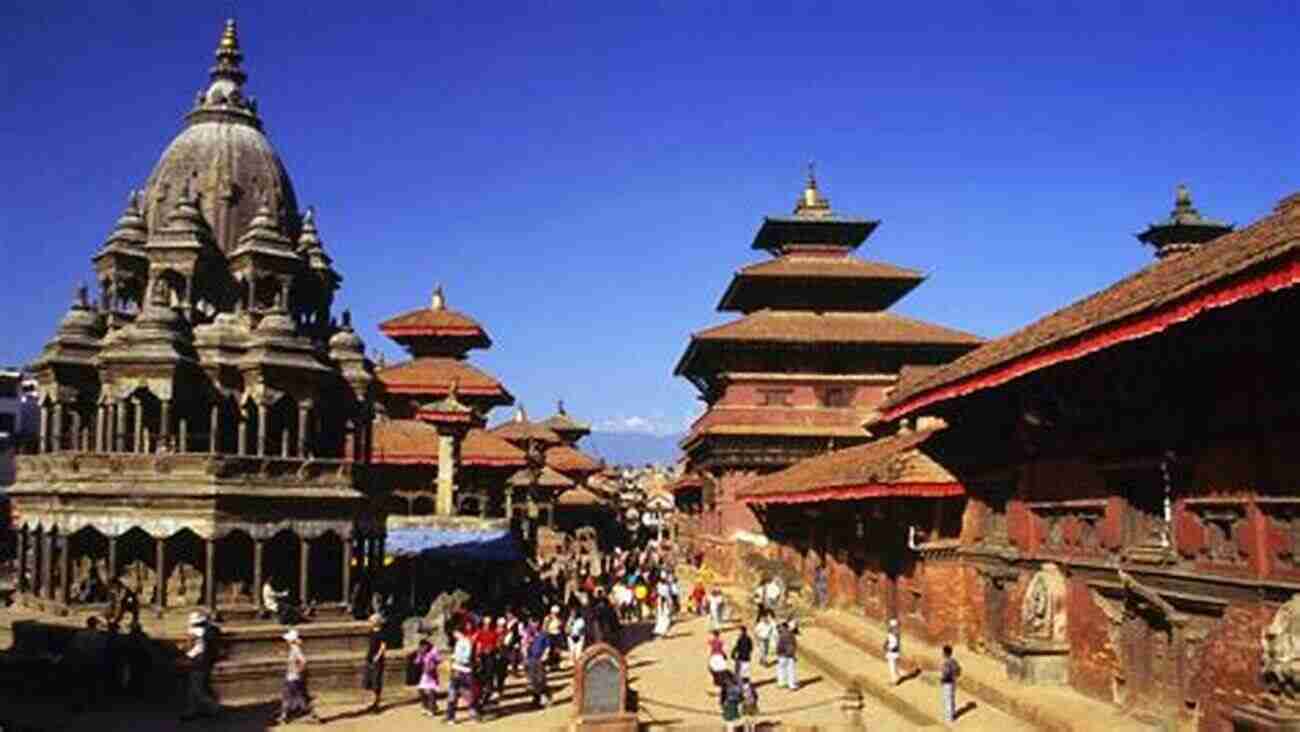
637	424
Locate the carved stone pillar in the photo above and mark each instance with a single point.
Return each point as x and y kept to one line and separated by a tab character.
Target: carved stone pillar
137	407
164	421
112	557
120	434
47	548
348	553
214	428
210	574
284	441
261	430
243	432
304	412
257	573
160	596
101	428
65	568
446	473
304	564
75	413
56	427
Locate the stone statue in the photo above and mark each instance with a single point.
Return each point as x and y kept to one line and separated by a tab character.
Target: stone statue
1280	645
89	577
184	586
1042	616
434	623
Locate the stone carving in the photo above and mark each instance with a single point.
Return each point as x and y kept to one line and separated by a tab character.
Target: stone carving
184	586
89	579
233	593
1043	614
1280	646
142	580
434	622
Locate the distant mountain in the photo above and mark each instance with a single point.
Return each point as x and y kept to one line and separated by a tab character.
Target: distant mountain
632	448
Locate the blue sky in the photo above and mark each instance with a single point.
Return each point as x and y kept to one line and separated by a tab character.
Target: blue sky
583	178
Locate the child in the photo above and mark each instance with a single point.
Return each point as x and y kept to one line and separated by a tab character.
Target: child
949	672
428	659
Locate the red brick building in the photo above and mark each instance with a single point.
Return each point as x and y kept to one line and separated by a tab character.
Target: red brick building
815	350
1131	524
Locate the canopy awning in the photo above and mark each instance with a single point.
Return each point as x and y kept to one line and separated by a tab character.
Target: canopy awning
496	545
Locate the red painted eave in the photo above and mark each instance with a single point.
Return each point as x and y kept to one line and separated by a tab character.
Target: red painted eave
1278	276
866	490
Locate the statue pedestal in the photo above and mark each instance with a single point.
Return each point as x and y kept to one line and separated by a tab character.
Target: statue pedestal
1037	662
1251	718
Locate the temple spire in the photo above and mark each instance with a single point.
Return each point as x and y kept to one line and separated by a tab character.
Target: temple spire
1184	230
229	57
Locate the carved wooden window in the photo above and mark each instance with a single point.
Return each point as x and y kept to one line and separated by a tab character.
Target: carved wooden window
837	396
774	397
1143	490
996	495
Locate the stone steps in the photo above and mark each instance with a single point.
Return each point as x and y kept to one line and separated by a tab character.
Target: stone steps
258	680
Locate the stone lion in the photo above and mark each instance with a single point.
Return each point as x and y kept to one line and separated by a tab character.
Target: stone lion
1280	643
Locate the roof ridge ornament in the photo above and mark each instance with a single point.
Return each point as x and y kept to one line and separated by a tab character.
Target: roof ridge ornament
811	204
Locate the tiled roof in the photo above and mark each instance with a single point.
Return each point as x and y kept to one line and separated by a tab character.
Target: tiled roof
404	442
434	322
547	478
829	267
568	460
434	375
1170	290
579	497
889	461
412	442
562	422
833	327
517	430
481	447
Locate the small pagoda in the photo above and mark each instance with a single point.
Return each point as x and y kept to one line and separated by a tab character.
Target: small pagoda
434	457
816	349
1184	230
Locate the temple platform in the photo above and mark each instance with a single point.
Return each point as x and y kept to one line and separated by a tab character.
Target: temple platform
253	662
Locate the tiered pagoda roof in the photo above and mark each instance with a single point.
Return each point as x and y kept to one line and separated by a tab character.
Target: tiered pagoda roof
569	429
813	314
439	340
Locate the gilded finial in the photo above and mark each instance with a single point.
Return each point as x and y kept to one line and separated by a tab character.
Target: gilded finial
559	406
439	299
347	319
230	36
1182	196
810	202
812	174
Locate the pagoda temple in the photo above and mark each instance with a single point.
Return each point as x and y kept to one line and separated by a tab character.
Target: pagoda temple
816	349
437	459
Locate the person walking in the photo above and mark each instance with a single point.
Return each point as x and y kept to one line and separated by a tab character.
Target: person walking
821	586
554	627
535	667
742	652
577	632
787	648
748	704
893	650
462	676
715	609
663	608
764	633
428	659
294	699
200	657
949	672
374	674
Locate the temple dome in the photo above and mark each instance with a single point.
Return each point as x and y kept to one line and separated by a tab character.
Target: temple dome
223	157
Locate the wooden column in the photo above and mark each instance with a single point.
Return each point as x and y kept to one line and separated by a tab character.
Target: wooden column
348	553
510	502
243	431
214	428
446	474
261	430
101	428
210	574
160	597
183	435
284	441
304	564
75	442
257	573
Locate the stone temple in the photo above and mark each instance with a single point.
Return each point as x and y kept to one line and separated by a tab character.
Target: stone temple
205	423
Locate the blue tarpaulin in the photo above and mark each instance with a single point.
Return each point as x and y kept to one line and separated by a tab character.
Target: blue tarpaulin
496	545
